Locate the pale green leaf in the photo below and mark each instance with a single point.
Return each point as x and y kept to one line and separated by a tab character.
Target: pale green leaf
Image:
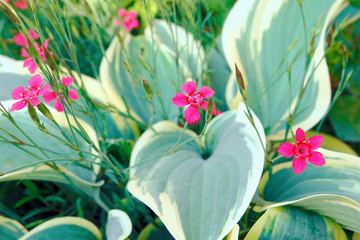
291	223
181	42
146	59
202	189
267	39
332	190
219	72
11	229
64	228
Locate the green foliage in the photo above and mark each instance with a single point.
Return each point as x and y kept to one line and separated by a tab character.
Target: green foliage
200	185
292	223
272	65
180	164
326	190
345	117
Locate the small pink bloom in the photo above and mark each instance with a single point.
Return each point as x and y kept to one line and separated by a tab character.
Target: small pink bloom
21	4
51	96
128	19
29	62
28	94
303	151
20	39
194	99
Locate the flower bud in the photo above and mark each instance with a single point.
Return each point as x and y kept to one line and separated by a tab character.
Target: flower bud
240	81
209	110
148	89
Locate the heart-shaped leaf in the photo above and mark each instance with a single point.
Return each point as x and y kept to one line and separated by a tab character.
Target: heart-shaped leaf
270	43
332	190
293	223
202	189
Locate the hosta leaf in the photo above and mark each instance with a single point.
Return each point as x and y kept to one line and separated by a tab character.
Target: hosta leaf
292	223
11	229
13	75
202	189
118	225
23	160
147	60
234	233
332	190
113	124
64	228
219	72
267	39
181	42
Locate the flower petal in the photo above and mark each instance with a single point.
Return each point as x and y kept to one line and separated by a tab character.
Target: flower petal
117	22
49	96
192	114
21	5
316	158
36	81
122	12
132	14
73	94
33	67
18	105
46	43
35	101
300	136
67	81
19	93
24	53
20	40
315	142
286	149
58	106
299	165
42	90
206	92
189	88
180	100
33	34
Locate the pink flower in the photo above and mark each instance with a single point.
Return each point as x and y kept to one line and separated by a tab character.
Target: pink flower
194	99
20	39
20	4
30	93
51	96
29	62
303	150
128	19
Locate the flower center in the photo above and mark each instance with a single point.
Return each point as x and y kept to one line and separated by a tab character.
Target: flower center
195	98
33	93
302	150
